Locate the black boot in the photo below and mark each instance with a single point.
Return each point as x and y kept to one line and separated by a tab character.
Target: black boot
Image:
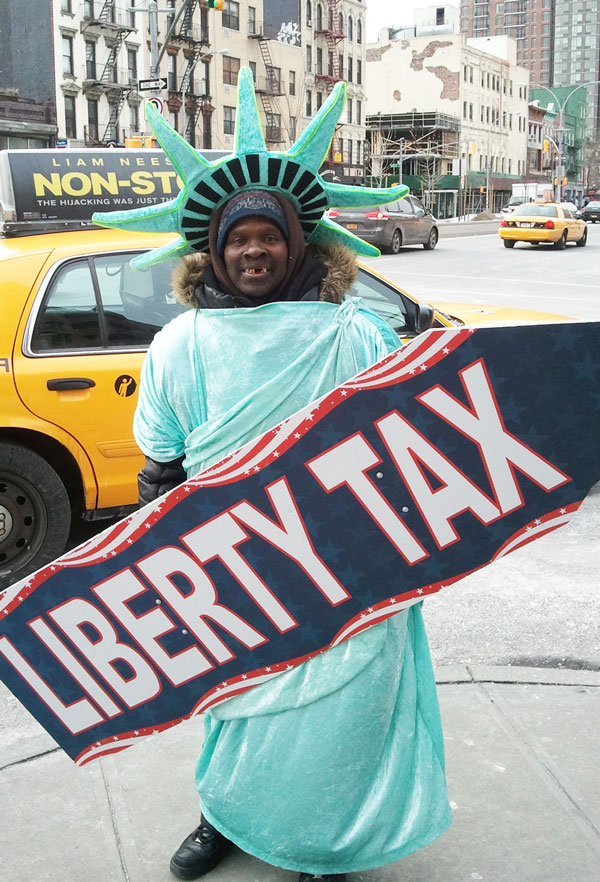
335	877
199	852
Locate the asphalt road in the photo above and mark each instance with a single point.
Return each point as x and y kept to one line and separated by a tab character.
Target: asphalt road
539	606
478	269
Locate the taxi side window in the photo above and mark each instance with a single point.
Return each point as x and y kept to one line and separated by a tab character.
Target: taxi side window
384	301
100	302
69	316
567	212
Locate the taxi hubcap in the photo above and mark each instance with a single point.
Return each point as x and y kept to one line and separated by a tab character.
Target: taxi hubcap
23	521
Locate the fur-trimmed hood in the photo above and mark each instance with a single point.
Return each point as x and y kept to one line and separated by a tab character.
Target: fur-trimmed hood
339	261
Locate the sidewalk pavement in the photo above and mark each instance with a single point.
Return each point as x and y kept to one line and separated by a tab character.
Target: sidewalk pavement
523	763
452	229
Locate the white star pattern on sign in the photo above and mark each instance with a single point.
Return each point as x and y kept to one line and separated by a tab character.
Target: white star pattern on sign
113	553
186	489
130	541
419	590
411	371
276	454
423	367
537	522
393	600
563	511
244	677
268	670
256	469
445	350
370	609
52	569
147	526
137	732
343	392
297	435
529	528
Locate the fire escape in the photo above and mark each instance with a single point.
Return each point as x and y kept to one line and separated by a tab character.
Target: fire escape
194	39
269	87
332	31
114	82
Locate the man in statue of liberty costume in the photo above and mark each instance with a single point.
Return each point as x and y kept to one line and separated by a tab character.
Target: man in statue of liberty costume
335	766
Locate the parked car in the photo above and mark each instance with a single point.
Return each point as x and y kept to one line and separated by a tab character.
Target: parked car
542	222
591	212
389	227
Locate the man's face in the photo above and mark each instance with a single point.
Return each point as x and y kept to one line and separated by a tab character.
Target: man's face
256	255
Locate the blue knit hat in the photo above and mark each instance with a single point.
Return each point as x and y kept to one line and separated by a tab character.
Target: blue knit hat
252	203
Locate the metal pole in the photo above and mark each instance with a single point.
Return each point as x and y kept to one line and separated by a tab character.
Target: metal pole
487	176
400	160
153	23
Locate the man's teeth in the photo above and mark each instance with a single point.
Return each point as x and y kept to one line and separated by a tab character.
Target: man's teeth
255	271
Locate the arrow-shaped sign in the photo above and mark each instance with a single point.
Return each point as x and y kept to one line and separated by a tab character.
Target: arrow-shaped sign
151	85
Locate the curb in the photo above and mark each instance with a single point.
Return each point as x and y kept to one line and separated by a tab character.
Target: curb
518	676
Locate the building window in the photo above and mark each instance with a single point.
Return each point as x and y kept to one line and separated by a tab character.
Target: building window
464	109
358	30
292	83
251	20
350	72
319	70
359	71
308	14
308	58
70	123
319	99
132	66
88	9
92	113
309	104
90	60
274	78
228	120
340	24
349	110
205	74
273	132
231	69
172	73
252	66
330	63
231	15
341	65
65	6
292	128
350	29
67	54
470	111
358	161
134	119
359	113
319	17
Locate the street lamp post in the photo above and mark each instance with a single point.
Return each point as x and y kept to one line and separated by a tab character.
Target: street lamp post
561	130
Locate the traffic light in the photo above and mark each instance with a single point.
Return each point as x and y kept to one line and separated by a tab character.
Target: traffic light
546	145
216	4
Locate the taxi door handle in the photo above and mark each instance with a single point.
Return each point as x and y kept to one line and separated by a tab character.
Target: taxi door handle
59	385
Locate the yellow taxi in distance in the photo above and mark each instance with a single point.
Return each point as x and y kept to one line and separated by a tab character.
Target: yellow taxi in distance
76	323
543	222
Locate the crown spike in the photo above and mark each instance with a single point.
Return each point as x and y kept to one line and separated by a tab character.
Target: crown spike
249	137
159	218
169	251
328	232
312	146
343	196
183	156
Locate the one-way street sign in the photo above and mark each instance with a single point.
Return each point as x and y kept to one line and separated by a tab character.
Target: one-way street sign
152	85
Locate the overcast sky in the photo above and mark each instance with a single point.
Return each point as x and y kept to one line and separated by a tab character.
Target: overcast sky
383	14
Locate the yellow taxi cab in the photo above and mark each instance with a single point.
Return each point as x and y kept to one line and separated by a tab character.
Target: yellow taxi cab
76	323
543	222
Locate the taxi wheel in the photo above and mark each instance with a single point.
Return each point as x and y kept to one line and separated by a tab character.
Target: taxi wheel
562	242
581	242
509	243
35	513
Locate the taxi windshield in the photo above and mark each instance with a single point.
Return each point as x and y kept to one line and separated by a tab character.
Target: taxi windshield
537	210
